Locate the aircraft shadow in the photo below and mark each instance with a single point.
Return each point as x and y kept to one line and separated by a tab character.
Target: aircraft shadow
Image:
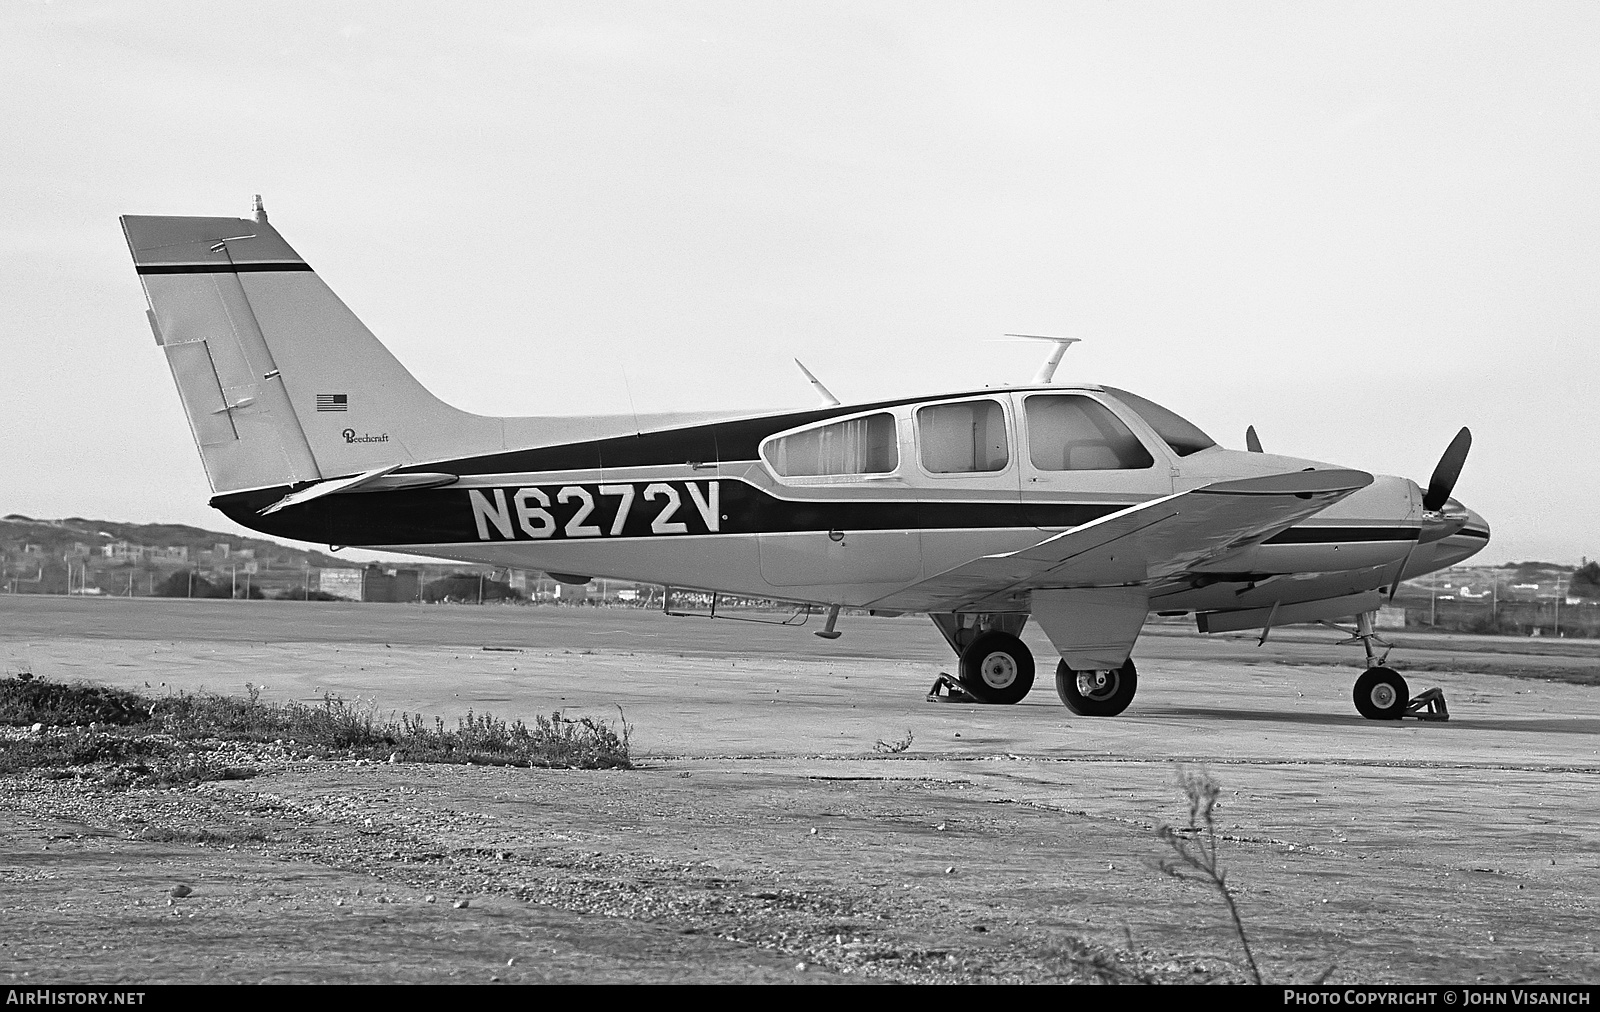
1267	716
1531	725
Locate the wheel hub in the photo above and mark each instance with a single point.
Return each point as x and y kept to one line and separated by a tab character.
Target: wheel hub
999	670
1097	684
1383	696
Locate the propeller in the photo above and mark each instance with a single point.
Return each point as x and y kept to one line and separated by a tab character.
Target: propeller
1444	477
1252	442
1437	522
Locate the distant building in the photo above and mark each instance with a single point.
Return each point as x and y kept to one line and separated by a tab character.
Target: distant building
1390	617
123	551
392	585
347	583
373	583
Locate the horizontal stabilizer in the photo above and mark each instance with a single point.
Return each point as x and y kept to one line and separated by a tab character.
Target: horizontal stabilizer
379	479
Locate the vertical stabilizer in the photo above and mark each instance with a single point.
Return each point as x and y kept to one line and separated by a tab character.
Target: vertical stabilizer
280	380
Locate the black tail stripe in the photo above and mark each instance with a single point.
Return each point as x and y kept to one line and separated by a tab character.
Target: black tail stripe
221	268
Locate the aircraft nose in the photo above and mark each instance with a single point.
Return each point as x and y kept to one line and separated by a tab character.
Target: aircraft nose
1468	540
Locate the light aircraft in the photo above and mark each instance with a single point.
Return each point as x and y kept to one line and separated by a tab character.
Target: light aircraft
1084	507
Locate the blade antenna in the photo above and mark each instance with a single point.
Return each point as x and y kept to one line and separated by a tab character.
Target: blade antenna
1252	442
828	400
1048	370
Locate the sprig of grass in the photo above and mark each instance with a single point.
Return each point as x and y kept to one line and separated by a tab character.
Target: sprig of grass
1195	851
894	747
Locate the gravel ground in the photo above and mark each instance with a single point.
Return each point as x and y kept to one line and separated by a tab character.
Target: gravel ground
411	842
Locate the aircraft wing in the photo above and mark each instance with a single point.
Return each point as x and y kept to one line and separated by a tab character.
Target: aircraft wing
1138	546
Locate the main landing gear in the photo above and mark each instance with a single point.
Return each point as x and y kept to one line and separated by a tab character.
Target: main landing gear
995	667
1097	693
1381	693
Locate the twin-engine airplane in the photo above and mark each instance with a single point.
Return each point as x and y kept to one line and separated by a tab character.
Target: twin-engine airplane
1085	507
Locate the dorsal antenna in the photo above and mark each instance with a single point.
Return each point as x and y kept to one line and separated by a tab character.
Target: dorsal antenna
828	400
1047	371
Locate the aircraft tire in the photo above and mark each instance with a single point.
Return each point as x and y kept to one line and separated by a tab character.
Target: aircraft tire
1381	694
997	668
1110	697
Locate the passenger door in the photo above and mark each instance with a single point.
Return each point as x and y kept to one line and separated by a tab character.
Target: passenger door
1079	460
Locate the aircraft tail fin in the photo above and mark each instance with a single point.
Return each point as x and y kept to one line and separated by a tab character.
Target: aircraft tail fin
281	382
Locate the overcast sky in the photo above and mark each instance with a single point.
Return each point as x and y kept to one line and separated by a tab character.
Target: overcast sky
1357	227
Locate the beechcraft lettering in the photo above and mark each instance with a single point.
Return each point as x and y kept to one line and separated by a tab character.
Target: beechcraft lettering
1079	507
539	513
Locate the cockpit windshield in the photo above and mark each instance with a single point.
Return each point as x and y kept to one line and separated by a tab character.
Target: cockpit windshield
1176	431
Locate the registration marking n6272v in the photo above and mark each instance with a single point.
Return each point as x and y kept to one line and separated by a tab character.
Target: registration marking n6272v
543	512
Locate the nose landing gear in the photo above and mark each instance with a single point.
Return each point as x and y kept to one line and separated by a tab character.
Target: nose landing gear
1381	693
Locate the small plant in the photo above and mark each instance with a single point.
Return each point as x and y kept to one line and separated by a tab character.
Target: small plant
894	747
1099	965
336	727
26	700
553	741
1195	850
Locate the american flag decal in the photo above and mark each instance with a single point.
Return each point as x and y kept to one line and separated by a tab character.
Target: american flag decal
333	402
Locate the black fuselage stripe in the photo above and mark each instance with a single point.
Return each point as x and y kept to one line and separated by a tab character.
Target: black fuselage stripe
446	516
221	268
1341	535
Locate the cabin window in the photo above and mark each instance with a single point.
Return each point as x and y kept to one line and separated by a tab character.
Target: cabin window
962	438
856	446
1176	431
1075	433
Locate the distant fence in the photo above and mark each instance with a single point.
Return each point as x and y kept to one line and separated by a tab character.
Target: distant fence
1509	618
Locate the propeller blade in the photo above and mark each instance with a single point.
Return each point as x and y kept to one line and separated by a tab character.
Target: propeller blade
1444	477
1400	573
1252	442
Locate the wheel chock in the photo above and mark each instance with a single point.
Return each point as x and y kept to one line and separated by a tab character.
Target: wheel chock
1428	705
947	690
